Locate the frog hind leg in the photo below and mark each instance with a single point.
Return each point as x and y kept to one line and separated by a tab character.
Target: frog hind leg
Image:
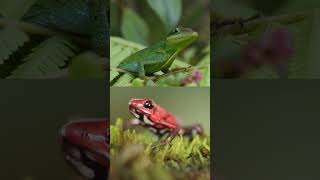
191	130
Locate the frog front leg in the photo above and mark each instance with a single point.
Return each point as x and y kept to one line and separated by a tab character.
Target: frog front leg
132	123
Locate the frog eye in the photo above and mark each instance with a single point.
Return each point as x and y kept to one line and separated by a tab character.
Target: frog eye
148	104
176	31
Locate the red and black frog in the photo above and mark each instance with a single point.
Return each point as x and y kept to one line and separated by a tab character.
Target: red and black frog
85	146
147	113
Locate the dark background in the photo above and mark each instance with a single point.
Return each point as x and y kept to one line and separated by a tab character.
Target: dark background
31	113
266	129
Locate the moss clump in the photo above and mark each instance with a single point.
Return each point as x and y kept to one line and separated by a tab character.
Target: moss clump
141	156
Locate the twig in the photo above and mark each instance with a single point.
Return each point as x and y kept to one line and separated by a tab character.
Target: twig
157	77
43	31
248	26
175	71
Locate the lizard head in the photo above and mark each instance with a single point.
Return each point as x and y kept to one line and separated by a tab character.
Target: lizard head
181	37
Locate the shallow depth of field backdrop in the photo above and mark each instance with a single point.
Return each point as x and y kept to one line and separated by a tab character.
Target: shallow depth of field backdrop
149	21
190	105
265	39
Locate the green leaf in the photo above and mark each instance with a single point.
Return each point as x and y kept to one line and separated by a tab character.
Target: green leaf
86	65
206	59
124	80
133	27
15	9
120	49
67	15
205	81
169	11
46	58
10	40
137	82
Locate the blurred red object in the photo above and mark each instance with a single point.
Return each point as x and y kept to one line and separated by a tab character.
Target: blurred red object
85	144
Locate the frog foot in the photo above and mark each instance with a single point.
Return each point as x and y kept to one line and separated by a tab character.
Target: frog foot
162	143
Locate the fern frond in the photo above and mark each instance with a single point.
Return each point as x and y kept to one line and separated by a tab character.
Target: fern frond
48	57
10	40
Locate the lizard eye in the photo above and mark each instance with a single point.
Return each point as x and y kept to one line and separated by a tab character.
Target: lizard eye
148	104
176	31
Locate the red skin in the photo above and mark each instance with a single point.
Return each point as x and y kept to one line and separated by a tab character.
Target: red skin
161	121
160	116
91	138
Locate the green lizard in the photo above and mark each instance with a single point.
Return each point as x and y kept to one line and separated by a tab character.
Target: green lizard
160	56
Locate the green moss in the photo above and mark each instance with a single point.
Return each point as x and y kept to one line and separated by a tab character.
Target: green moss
140	155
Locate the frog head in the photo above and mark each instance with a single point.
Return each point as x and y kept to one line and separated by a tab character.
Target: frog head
141	107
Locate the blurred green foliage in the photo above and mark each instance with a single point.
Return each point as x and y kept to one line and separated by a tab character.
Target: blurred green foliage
155	19
229	41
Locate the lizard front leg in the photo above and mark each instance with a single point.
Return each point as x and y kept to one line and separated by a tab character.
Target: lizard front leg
141	71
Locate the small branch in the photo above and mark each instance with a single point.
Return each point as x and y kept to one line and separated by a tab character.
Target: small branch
175	71
157	77
237	28
43	31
